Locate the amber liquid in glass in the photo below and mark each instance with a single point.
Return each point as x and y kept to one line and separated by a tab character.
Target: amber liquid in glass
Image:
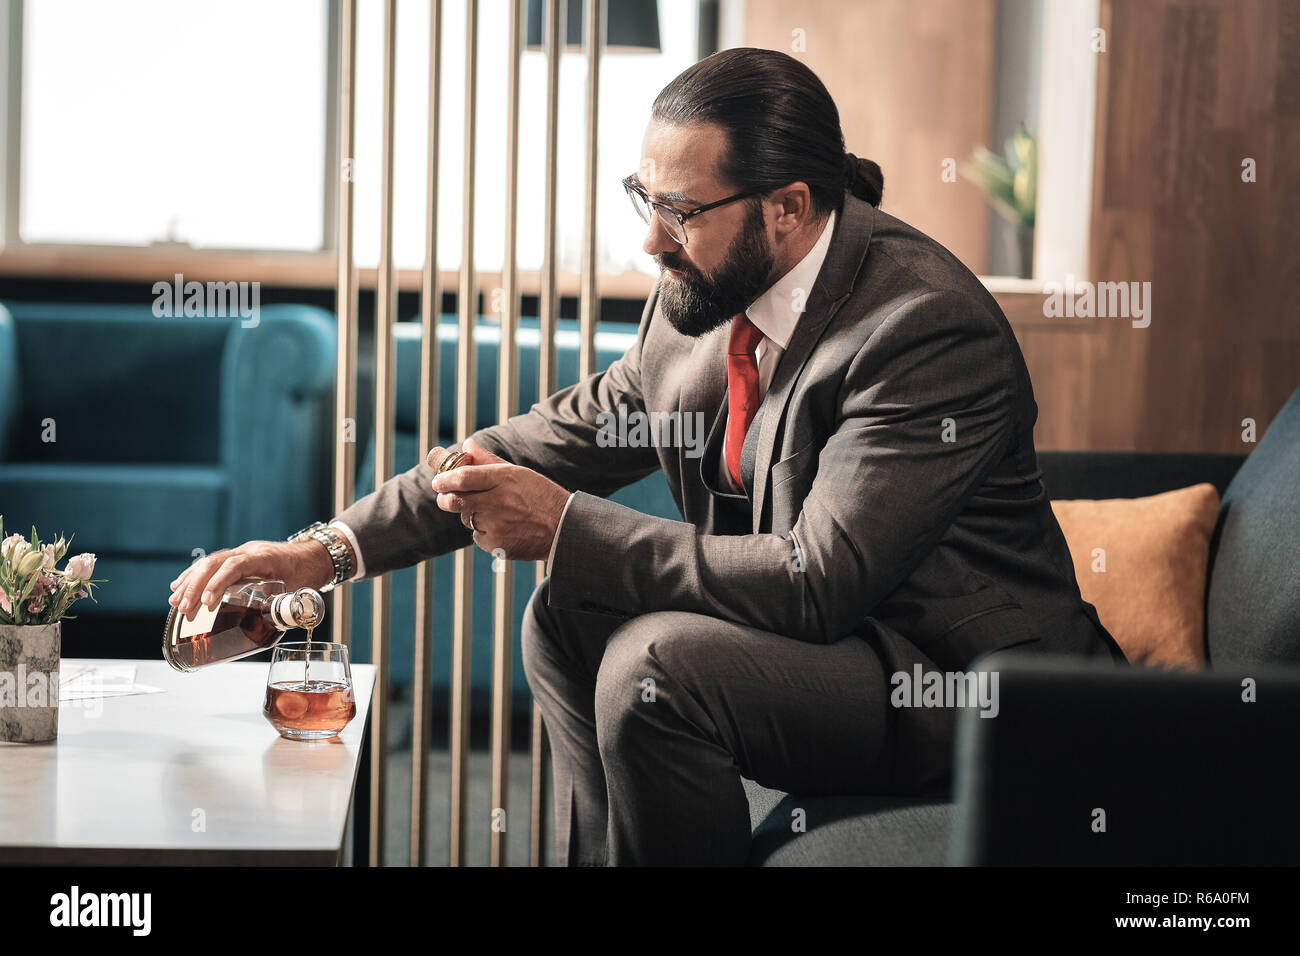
314	706
309	705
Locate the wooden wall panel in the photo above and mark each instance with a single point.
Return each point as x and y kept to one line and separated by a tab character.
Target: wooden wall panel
1187	90
913	82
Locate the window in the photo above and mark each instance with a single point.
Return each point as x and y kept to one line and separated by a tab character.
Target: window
629	83
149	121
204	123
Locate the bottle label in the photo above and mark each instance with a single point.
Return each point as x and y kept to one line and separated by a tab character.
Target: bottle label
203	622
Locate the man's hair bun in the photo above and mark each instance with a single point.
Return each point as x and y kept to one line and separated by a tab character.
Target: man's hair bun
863	178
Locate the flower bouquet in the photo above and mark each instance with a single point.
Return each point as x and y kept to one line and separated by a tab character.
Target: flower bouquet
35	595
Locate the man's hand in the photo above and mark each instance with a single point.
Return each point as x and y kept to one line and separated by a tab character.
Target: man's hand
299	564
514	509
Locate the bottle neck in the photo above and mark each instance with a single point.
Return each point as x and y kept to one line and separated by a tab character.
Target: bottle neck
302	608
282	612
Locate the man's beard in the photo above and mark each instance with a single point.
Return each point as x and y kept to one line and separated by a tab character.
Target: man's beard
696	304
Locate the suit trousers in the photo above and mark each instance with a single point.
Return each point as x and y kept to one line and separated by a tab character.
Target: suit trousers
654	719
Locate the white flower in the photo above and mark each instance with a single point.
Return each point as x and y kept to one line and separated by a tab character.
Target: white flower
51	555
80	567
14	547
8	544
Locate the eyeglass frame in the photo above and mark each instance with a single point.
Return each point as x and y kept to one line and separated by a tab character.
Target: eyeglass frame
633	186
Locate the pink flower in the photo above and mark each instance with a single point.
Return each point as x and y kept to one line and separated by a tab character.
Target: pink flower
4	602
46	584
34	606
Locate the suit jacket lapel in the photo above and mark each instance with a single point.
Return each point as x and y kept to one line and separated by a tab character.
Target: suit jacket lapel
748	452
844	258
704	385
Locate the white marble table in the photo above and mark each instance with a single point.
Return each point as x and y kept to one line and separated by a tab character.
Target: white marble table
195	775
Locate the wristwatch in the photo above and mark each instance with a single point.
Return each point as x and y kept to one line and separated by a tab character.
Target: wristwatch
335	545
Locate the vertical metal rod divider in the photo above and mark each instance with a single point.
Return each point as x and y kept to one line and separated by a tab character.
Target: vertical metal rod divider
507	399
589	307
467	303
345	385
430	311
385	309
548	310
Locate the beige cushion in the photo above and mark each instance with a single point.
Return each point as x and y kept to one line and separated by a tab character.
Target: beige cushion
1141	562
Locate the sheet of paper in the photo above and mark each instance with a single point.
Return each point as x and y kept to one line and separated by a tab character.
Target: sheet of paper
89	681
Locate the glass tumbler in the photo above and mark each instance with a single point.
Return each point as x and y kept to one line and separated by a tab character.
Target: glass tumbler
309	690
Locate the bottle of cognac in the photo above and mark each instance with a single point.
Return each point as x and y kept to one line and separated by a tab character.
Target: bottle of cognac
250	617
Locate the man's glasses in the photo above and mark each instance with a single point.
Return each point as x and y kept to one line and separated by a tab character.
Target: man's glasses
674	220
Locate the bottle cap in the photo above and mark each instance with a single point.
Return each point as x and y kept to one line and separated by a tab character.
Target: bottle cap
440	459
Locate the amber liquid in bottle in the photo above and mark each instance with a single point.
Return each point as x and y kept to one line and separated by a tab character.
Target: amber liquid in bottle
235	632
251	617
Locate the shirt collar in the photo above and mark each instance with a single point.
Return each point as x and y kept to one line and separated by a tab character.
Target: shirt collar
773	311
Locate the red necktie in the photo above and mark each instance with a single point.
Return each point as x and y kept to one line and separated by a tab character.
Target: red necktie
742	388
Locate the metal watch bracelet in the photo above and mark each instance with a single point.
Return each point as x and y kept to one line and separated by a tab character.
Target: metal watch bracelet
333	542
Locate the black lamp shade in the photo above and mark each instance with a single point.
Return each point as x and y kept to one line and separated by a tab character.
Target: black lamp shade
631	26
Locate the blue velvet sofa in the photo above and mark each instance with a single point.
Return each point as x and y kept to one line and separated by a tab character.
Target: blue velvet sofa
150	438
650	495
177	434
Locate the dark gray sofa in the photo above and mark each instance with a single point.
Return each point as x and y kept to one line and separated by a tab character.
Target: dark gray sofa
1186	772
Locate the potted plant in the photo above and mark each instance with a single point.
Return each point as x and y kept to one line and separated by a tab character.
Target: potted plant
35	596
1011	187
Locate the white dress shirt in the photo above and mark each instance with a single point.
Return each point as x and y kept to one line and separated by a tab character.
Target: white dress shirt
775	313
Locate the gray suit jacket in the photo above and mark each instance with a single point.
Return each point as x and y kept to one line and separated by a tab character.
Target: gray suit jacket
891	468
